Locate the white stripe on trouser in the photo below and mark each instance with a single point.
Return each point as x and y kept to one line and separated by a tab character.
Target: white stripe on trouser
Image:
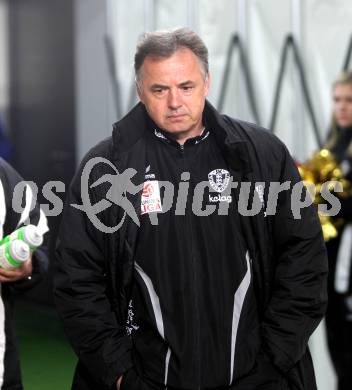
167	362
2	309
343	261
237	309
157	313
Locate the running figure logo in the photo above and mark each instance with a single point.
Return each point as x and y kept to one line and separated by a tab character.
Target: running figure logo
120	185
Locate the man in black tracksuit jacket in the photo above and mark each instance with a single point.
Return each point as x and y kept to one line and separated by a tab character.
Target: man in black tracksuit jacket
187	290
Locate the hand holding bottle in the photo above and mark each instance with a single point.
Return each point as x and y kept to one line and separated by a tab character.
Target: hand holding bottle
15	253
19	273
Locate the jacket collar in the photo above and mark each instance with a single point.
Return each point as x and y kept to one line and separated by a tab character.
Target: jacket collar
132	127
230	137
129	129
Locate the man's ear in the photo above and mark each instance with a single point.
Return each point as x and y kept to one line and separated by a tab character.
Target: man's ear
139	91
207	84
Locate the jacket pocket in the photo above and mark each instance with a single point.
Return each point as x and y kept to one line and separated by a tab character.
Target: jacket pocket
264	375
129	380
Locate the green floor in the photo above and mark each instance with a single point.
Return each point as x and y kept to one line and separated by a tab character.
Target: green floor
46	358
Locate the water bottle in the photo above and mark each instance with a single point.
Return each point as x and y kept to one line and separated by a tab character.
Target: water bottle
13	254
28	234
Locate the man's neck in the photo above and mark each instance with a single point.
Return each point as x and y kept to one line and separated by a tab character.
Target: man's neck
181	137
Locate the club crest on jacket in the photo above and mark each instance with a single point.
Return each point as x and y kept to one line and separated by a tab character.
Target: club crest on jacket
219	179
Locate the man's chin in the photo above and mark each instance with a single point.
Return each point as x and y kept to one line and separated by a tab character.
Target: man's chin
175	129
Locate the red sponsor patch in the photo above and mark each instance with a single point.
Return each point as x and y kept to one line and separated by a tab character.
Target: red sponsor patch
150	202
147	190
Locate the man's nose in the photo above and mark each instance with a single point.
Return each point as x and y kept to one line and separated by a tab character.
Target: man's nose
343	106
174	99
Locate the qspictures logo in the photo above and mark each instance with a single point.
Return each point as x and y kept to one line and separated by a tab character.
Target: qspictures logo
119	188
250	201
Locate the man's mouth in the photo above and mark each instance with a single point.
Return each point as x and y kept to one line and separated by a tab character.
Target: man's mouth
176	116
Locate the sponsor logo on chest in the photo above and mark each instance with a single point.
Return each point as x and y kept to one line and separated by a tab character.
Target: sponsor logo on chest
151	201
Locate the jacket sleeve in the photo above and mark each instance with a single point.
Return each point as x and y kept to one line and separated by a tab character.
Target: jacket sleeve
100	342
299	293
27	210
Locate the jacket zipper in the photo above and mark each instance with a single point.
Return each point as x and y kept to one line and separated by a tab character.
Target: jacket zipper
195	280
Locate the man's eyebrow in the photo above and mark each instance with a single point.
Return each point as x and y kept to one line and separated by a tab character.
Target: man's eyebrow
157	86
184	83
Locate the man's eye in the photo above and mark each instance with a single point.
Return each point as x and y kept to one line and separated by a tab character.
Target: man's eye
187	88
158	91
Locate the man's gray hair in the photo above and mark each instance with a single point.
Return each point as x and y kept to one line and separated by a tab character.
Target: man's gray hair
165	43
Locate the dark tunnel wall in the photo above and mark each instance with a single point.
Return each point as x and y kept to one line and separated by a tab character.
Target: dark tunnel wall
42	112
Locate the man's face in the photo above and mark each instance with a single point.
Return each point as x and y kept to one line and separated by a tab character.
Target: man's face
342	97
173	91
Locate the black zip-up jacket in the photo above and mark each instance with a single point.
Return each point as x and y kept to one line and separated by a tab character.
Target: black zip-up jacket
193	315
94	269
